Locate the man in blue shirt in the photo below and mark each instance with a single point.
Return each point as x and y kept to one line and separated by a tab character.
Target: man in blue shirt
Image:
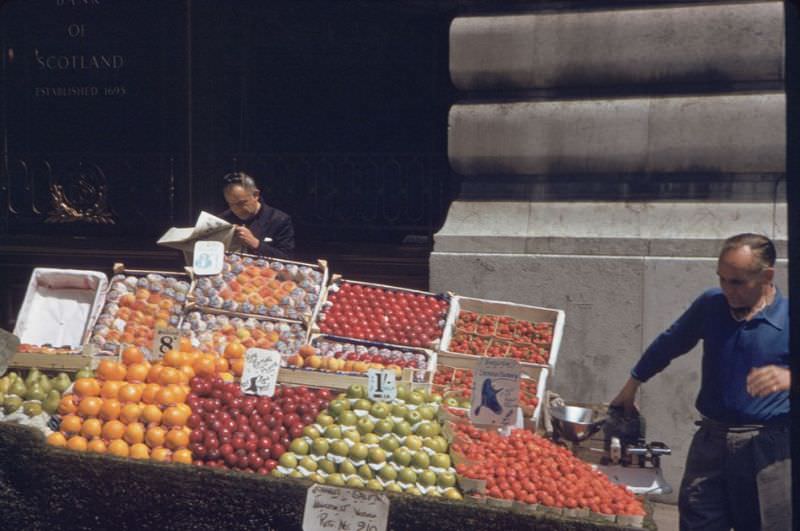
738	471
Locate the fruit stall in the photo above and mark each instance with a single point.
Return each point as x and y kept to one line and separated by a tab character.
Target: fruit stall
140	410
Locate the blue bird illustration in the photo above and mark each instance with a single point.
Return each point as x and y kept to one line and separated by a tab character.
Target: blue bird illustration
489	397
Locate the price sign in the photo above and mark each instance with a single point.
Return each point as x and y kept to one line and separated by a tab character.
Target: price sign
495	392
337	508
260	373
381	384
165	339
208	257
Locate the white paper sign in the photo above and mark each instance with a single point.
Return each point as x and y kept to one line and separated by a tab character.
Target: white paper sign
495	392
381	384
9	344
338	508
260	373
208	257
165	339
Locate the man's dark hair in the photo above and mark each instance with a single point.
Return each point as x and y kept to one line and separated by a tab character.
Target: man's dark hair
762	247
240	178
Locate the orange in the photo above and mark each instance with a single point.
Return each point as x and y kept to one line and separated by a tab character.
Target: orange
234	349
165	397
91	428
237	366
173	358
137	372
188	372
130	393
111	370
110	409
205	365
57	439
134	433
67	405
177	439
185	408
71	424
185	344
119	448
182	456
130	413
221	364
90	406
110	388
132	355
139	451
155	436
78	443
113	429
174	417
169	375
151	414
179	392
150	392
97	446
160	454
154	372
86	387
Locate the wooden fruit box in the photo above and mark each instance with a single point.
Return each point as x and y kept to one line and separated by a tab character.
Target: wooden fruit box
533	314
336	380
59	362
306	318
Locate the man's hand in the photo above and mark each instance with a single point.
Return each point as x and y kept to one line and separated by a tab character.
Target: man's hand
244	234
763	381
627	396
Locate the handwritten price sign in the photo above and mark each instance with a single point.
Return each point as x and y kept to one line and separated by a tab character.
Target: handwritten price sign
208	257
381	384
260	373
495	392
347	509
165	339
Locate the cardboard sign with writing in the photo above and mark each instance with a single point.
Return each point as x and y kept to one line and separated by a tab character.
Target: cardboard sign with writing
495	392
260	373
330	507
164	340
208	257
381	384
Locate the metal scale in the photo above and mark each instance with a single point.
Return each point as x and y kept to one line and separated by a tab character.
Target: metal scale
626	457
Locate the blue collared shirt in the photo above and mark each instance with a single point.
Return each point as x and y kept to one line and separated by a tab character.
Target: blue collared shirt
730	349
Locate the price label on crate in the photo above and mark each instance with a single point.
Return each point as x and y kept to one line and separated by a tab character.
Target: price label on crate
208	257
165	339
495	392
333	508
381	384
260	373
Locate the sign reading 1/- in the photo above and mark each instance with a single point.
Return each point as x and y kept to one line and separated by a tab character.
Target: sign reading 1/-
381	384
337	508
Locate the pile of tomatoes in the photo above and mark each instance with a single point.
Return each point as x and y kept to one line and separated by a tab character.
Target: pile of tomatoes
501	337
527	468
385	315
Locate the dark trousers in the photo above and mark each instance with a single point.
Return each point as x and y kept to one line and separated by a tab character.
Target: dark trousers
737	477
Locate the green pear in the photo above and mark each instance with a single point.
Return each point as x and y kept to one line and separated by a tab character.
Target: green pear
18	388
86	372
35	392
12	376
44	381
5	383
50	403
61	382
11	404
33	376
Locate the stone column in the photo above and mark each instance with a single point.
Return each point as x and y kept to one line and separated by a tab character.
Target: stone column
606	153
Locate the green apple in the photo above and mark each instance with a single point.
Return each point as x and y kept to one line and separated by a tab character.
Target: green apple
356	391
413	490
374	484
340	448
355	482
393	487
299	446
384	426
402	457
427	412
365	425
365	472
425	430
296	474
452	494
288	460
399	410
379	410
352	435
376	455
432	397
32	409
440	460
348	418
433	493
316	478
311	432
320	446
414	417
390	443
402	428
446	480
441	444
327	466
413	442
333	431
336	407
309	464
406	475
277	473
359	451
347	468
452	401
323	419
370	438
427	478
362	404
416	398
420	460
335	479
402	392
387	473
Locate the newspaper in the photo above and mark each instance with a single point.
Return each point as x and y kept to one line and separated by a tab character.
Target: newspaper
208	227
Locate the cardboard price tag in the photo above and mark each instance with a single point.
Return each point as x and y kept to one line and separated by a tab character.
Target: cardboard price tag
381	384
260	373
208	257
336	508
165	339
495	392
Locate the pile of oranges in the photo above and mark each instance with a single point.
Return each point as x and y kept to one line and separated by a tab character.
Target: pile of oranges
136	409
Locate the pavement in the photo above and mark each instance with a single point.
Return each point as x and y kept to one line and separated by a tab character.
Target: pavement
665	516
